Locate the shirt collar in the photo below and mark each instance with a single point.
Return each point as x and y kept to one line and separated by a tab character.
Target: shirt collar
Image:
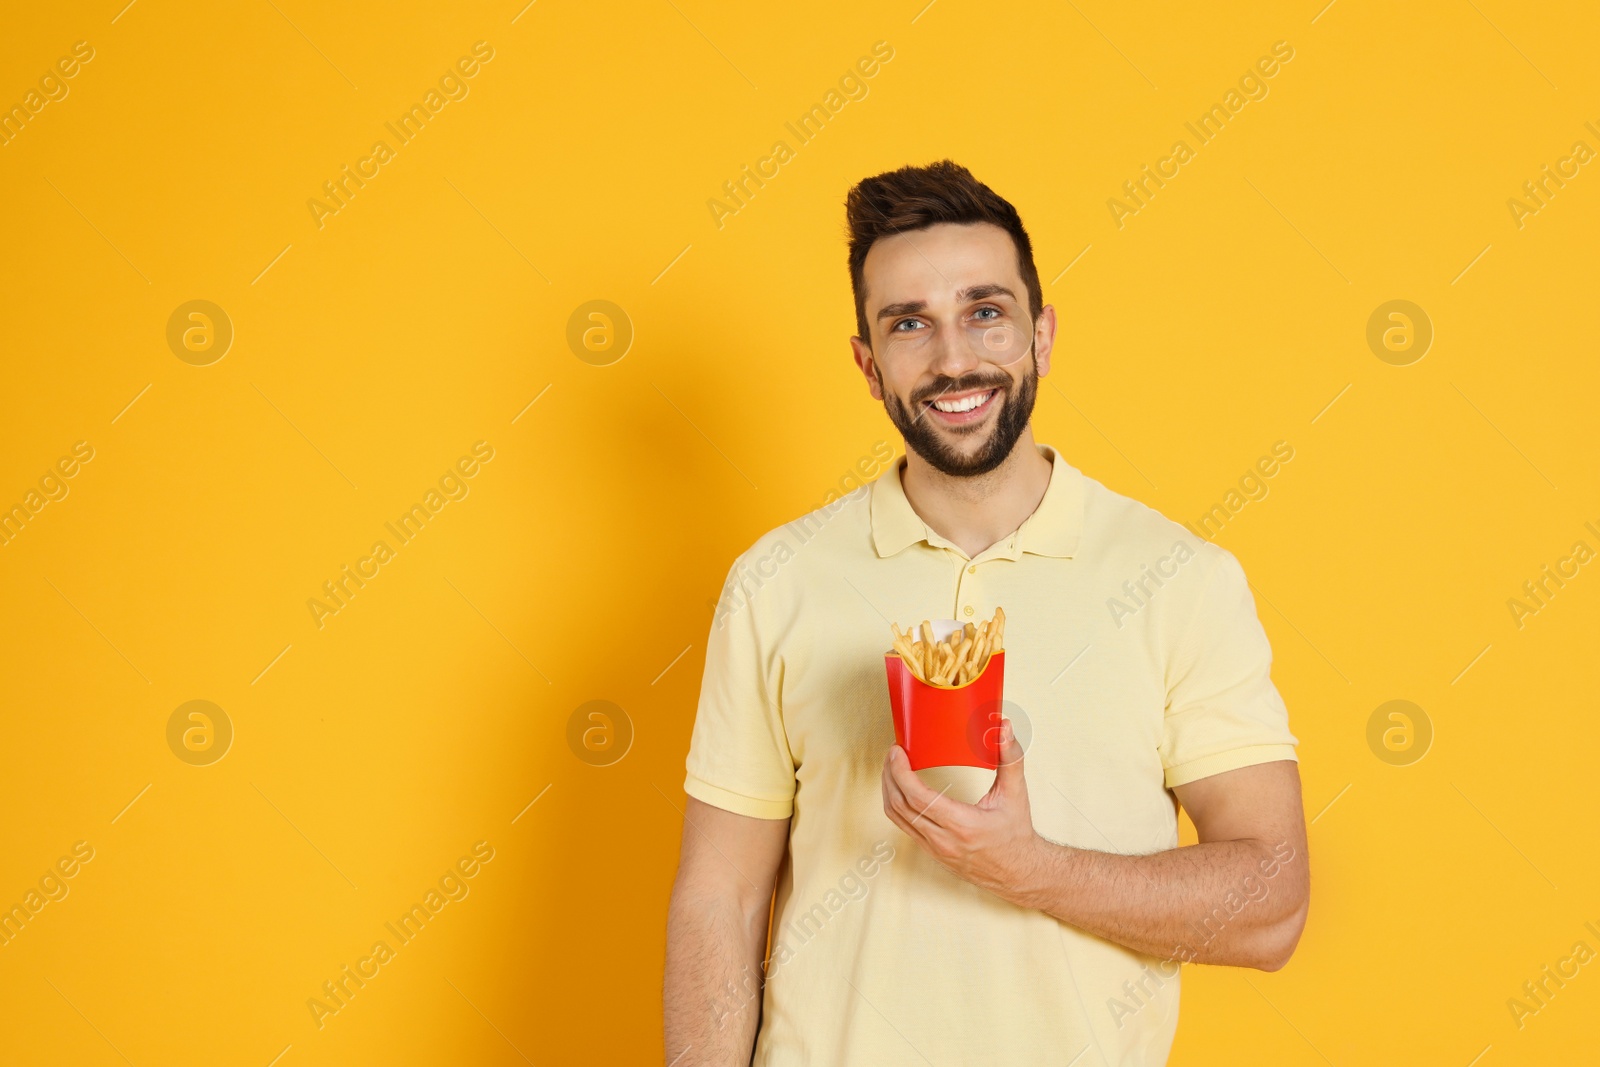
1052	530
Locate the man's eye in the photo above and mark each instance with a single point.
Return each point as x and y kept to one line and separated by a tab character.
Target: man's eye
904	322
996	310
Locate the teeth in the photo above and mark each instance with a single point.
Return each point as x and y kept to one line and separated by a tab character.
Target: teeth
965	404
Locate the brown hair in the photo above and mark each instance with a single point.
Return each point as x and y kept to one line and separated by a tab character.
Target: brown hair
914	198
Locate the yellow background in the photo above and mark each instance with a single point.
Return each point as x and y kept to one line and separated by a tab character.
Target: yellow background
431	310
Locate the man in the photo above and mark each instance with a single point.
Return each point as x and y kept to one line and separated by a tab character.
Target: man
919	918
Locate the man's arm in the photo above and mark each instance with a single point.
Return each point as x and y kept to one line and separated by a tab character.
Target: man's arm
717	935
1238	897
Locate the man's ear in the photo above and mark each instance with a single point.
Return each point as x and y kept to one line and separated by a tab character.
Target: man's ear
868	365
1044	338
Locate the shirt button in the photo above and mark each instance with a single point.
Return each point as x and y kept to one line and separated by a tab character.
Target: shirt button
972	570
967	610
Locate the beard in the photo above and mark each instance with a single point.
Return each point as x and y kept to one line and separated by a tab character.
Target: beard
927	440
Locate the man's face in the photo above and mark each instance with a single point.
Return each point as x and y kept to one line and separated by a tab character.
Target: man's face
950	326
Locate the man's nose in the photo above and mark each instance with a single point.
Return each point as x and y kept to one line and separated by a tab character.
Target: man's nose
953	355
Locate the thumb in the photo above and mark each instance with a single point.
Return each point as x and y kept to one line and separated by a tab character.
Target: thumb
1008	776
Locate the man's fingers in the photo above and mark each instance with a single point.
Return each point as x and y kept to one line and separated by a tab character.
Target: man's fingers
895	804
929	836
1008	778
908	811
894	807
917	821
893	796
923	804
915	793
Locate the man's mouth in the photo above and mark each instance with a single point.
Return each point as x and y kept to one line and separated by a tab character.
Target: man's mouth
958	408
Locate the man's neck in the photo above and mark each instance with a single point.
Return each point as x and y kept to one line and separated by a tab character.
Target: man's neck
978	511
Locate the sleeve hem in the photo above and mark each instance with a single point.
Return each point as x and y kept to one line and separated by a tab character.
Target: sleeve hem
738	803
1231	760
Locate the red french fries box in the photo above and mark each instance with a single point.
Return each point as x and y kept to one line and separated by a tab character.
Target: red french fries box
946	725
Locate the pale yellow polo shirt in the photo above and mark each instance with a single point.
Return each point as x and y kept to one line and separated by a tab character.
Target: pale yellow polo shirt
1134	662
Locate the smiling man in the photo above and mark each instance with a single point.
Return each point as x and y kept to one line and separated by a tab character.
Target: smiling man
834	907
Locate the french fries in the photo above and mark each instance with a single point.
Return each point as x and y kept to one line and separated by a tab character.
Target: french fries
956	660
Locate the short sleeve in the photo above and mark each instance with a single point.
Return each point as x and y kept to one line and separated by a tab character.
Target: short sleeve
1223	712
739	756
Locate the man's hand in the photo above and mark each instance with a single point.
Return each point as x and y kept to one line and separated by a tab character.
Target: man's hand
992	843
1238	897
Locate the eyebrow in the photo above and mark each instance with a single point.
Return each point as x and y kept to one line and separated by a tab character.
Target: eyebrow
971	293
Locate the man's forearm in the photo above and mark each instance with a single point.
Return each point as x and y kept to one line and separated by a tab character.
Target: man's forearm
1229	902
712	988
